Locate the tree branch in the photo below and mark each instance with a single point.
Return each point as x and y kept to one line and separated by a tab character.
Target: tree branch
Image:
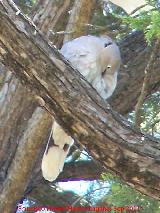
81	170
135	55
144	90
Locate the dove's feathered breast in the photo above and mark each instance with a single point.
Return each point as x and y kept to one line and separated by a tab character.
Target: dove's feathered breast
92	57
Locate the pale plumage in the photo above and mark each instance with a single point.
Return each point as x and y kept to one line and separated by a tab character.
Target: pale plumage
97	63
98	60
55	155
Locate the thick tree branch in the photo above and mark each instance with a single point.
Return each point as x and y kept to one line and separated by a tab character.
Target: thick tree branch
73	171
81	170
77	107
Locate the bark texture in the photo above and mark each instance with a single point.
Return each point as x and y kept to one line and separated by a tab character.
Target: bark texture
20	170
135	57
77	107
13	115
81	14
52	17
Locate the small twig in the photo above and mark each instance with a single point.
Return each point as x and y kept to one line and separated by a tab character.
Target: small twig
138	8
80	198
145	85
61	32
91	27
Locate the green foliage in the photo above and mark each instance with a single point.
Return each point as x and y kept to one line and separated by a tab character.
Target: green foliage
120	196
123	196
151	115
148	21
110	178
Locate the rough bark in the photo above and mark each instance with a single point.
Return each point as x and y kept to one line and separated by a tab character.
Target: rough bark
12	115
81	14
77	107
20	170
50	17
135	56
47	13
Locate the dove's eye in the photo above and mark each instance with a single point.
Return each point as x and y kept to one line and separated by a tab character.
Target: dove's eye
108	67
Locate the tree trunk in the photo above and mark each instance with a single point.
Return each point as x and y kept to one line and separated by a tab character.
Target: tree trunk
20	170
81	14
77	107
